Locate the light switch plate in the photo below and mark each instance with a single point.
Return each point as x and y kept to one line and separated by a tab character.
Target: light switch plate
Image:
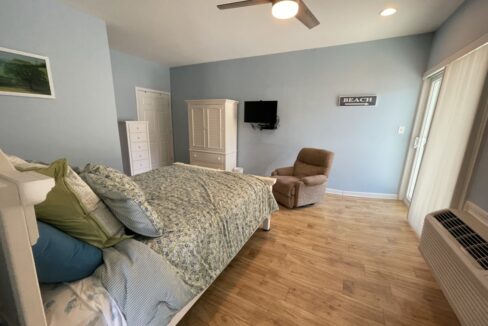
401	130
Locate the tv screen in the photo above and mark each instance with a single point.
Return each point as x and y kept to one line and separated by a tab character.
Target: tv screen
261	112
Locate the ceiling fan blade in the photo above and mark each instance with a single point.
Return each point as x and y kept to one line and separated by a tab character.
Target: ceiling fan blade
240	4
306	17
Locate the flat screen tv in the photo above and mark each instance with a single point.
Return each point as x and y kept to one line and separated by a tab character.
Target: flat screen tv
261	112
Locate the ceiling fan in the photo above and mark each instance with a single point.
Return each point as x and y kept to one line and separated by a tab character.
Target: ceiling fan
282	9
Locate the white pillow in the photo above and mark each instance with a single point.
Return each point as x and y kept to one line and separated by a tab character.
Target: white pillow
20	163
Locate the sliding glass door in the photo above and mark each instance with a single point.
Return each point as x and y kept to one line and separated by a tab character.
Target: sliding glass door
448	135
435	82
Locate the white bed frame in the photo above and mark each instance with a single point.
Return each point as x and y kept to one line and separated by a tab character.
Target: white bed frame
20	295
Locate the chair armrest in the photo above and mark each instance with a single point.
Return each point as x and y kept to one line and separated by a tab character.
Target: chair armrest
314	180
283	171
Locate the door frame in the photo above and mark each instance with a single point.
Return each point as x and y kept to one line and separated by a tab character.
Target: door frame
420	121
149	90
417	126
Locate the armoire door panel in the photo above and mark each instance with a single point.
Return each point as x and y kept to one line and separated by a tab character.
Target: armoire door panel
197	127
215	127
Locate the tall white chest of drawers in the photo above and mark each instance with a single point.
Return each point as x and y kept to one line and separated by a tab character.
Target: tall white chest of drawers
138	146
212	126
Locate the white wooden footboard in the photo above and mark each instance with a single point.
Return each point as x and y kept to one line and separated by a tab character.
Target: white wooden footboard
20	296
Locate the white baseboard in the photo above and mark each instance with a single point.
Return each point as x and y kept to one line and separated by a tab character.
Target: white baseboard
476	211
362	194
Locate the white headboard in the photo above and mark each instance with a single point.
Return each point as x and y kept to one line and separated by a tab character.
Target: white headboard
20	297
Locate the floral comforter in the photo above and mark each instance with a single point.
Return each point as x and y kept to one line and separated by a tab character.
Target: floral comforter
207	218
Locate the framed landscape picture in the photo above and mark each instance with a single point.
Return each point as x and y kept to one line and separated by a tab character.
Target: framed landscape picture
25	74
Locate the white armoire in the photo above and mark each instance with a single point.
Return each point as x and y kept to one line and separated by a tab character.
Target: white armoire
212	126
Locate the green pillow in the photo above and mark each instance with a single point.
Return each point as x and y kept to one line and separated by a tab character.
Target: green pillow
71	207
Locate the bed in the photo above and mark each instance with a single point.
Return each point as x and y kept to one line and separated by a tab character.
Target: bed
208	216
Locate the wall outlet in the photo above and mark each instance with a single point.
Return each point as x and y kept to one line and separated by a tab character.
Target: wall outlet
401	130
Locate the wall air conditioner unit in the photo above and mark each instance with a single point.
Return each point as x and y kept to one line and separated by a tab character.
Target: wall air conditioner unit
454	244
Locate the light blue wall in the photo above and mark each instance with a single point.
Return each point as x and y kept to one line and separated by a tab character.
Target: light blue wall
468	23
81	123
369	152
129	72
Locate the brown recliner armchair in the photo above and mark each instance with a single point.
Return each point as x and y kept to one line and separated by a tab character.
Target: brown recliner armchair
305	182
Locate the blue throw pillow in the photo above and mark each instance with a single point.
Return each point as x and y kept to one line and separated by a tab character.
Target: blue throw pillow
62	258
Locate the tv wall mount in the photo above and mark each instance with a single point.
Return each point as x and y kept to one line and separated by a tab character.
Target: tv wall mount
266	126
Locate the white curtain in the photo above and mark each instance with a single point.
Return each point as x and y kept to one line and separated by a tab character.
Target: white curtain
448	139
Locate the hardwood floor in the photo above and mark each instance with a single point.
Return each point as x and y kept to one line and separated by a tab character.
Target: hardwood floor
344	261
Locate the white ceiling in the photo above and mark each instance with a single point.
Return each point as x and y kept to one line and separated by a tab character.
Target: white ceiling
181	32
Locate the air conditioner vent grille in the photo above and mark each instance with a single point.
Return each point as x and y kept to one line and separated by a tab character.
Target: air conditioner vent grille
475	245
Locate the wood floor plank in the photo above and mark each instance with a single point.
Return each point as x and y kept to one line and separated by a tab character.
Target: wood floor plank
343	261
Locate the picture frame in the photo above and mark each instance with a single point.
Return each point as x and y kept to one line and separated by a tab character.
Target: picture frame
25	74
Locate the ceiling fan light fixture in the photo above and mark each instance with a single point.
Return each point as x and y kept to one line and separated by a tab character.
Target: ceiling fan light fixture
285	9
388	12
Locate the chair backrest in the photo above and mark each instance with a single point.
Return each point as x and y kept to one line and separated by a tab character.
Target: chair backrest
313	161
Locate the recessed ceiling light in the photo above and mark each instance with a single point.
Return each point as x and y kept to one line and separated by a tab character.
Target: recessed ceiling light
284	9
388	12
